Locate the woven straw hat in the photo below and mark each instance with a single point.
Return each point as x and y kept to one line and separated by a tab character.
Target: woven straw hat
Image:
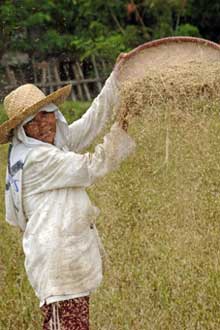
24	101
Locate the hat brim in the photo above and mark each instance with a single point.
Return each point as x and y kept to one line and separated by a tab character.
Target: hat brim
167	52
56	97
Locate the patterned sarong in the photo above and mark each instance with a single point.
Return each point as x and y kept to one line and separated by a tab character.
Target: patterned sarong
72	314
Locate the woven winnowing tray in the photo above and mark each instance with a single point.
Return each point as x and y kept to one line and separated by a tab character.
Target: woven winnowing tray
167	52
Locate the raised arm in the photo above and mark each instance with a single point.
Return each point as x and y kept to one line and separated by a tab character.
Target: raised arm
83	131
49	168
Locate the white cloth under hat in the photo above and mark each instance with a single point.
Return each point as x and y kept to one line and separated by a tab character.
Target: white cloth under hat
25	101
18	151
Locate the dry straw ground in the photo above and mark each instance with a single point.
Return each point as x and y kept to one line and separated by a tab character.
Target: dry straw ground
160	224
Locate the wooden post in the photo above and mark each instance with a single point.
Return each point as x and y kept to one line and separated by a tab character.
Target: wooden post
50	78
78	86
104	67
10	75
73	95
86	89
43	66
99	85
22	76
66	71
34	66
55	70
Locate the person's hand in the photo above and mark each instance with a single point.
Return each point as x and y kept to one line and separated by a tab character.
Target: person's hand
121	56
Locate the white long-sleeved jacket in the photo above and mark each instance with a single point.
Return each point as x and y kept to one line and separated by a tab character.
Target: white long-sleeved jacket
62	253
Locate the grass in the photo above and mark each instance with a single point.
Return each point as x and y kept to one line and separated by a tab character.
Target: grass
160	227
3	115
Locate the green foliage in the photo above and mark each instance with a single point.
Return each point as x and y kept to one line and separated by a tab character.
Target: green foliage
187	30
73	110
39	18
3	115
103	28
206	16
162	30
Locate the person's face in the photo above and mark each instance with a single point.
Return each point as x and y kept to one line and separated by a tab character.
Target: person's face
42	127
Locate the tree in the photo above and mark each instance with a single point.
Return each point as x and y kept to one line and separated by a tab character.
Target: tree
84	28
206	16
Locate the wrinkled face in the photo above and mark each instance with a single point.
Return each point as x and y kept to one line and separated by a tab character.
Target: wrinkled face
42	127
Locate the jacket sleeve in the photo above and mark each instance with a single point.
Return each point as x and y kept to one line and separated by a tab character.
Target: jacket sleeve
83	131
48	168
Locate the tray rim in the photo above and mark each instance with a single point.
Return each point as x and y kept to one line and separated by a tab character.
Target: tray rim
163	41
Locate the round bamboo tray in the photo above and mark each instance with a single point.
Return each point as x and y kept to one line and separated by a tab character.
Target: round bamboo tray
167	52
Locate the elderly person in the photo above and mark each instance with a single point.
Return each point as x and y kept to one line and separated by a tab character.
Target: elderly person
46	197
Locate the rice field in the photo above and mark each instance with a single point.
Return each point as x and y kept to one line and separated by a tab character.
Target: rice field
160	225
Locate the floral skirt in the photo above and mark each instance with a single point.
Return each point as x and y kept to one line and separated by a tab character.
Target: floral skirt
72	314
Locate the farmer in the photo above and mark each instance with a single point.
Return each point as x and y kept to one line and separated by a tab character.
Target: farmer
46	197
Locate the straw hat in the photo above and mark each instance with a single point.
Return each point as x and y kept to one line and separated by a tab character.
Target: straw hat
24	101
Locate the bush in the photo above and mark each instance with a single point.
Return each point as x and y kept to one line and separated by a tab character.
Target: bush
187	30
74	110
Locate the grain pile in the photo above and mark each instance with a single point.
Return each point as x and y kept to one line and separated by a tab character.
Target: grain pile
160	221
174	85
